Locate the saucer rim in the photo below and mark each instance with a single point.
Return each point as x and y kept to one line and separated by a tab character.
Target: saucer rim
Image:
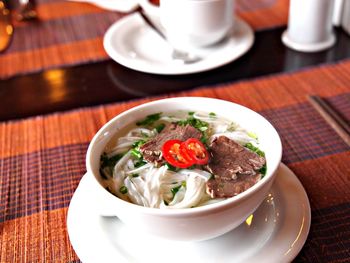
294	250
201	66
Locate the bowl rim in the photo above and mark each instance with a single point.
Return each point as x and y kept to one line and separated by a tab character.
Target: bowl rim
215	207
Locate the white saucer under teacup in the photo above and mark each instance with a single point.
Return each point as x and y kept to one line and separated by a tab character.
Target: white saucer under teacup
275	233
133	44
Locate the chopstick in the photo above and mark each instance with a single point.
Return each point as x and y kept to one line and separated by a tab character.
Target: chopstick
331	117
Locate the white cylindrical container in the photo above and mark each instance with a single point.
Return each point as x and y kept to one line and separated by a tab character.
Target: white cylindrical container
338	12
310	26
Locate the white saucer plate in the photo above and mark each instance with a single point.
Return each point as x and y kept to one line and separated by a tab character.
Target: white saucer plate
275	233
133	44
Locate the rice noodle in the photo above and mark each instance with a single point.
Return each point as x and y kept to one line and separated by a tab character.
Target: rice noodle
180	195
128	139
170	119
117	151
141	132
134	194
125	142
195	188
139	169
171	177
154	186
205	175
118	171
210	119
130	165
238	136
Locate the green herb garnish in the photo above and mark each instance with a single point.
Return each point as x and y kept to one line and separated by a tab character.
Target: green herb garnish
160	127
135	150
139	163
252	135
135	175
204	139
138	144
123	189
136	153
171	168
263	170
198	124
259	152
175	190
212	114
107	164
255	149
149	120
109	161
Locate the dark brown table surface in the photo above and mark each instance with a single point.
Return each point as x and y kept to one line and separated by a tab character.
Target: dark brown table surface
103	82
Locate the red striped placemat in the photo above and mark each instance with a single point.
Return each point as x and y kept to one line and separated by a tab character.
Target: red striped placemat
42	161
70	33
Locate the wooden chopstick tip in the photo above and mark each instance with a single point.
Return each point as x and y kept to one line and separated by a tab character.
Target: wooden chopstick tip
332	117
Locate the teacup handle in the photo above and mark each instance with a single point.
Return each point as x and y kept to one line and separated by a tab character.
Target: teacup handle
100	202
149	8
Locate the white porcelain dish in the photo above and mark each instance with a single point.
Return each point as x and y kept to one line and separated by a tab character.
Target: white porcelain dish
277	231
133	44
199	223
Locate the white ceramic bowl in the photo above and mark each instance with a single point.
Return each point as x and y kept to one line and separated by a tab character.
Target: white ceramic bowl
192	224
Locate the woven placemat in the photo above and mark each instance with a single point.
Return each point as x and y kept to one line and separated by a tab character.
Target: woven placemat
42	161
71	33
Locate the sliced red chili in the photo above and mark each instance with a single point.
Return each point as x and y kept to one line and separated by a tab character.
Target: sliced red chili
196	150
174	154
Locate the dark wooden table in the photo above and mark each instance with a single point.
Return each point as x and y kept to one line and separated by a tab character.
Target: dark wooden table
104	82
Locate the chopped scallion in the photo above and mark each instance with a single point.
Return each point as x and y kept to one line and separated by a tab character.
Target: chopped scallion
109	161
160	127
137	144
263	170
136	153
255	149
139	163
171	168
252	135
123	189
175	189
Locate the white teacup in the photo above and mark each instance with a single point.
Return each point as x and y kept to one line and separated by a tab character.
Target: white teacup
193	23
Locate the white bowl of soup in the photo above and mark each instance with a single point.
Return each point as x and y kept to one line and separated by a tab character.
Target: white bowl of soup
187	168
